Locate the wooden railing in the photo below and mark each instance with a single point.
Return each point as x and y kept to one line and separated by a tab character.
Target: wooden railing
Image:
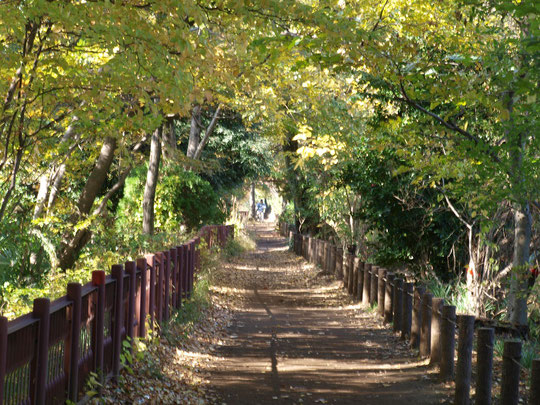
46	356
426	322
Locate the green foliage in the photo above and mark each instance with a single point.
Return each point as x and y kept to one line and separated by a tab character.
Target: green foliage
183	201
184	198
287	215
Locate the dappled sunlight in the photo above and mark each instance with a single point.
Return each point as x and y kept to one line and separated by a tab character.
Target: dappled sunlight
298	335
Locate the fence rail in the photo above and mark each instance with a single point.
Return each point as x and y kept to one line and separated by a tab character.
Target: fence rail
47	355
427	322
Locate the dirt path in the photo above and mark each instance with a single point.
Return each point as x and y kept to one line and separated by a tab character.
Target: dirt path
298	339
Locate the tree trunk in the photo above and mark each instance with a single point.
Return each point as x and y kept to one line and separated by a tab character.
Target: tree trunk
207	133
72	244
56	185
168	141
97	176
517	297
44	183
151	182
194	132
13	183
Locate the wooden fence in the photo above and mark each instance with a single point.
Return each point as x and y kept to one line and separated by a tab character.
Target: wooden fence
427	322
47	355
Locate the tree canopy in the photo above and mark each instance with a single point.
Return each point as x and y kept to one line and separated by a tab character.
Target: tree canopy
382	111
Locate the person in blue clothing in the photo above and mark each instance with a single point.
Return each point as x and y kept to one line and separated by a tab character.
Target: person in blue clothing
261	208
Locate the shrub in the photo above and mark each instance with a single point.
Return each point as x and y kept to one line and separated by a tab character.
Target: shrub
183	199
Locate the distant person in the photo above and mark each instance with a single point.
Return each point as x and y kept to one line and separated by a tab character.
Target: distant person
261	208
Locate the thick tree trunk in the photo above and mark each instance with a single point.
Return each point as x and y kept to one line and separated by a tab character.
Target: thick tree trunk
194	132
151	182
72	244
97	176
168	141
517	297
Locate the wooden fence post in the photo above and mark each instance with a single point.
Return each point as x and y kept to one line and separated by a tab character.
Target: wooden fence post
388	298
339	263
167	283
360	287
333	252
151	262
186	270
141	265
398	304
510	372
416	325
435	352
534	394
373	288
131	270
367	283
484	365
174	275
117	273
425	334
160	269
3	354
192	250
448	342
41	311
464	361
98	280
407	311
74	292
179	275
329	258
310	249
324	256
380	287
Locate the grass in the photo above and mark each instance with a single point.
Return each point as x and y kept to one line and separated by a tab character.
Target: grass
242	242
530	350
453	293
193	308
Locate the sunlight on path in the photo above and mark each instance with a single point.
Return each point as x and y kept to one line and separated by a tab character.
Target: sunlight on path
297	338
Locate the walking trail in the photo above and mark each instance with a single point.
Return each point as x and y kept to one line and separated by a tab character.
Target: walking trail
297	338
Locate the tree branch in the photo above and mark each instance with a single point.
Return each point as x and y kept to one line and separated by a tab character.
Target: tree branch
445	123
207	133
380	17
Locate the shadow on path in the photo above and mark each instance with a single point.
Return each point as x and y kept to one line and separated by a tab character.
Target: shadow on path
300	340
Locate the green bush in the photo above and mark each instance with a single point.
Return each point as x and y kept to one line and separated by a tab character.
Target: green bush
183	198
287	215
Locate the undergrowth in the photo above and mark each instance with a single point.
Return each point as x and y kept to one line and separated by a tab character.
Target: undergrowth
184	319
